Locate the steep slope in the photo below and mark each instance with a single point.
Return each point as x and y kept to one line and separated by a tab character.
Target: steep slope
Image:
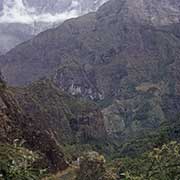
106	39
66	118
48	120
15	125
126	56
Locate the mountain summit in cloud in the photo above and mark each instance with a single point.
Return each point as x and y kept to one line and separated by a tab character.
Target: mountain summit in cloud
22	19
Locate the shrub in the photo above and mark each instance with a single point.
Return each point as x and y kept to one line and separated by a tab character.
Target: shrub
17	163
160	164
92	167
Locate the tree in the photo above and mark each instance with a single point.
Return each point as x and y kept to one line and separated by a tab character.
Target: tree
16	163
160	164
92	167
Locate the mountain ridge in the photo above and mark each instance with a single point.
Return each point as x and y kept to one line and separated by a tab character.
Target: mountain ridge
22	20
16	125
127	63
107	81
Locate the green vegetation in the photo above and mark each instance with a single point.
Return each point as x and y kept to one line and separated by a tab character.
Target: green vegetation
18	163
159	164
93	167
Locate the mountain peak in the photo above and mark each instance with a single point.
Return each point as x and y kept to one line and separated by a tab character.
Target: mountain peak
158	13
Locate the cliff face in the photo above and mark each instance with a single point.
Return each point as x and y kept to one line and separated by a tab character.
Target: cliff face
126	56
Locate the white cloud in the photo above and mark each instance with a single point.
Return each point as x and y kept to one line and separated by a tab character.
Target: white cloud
14	11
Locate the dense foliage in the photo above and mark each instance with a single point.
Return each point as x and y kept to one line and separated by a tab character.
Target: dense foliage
92	167
160	164
17	163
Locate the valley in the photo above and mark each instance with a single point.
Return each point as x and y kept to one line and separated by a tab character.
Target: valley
101	91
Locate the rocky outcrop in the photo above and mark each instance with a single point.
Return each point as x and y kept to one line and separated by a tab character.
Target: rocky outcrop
78	80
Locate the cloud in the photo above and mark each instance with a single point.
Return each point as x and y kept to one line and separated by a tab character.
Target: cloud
16	12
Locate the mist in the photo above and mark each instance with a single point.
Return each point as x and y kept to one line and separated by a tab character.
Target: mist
15	11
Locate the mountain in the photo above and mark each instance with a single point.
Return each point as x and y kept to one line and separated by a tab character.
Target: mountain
20	20
47	120
16	125
125	57
67	118
106	81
